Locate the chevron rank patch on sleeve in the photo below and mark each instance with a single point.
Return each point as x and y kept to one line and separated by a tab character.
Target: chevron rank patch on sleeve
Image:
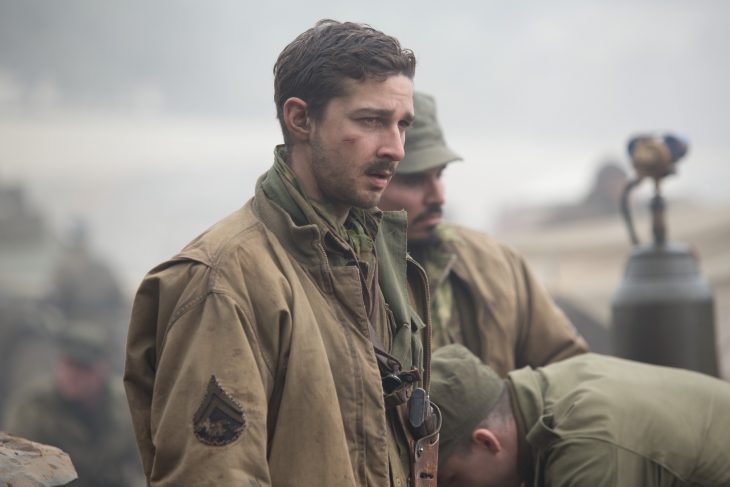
219	420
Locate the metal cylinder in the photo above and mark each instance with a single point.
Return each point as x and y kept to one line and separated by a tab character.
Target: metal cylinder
663	311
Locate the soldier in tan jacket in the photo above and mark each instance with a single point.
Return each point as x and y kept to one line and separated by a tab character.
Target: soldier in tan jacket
483	294
251	354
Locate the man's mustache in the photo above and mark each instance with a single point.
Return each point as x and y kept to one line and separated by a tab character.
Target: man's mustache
380	166
433	210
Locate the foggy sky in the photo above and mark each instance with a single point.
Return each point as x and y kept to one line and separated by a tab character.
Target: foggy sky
153	118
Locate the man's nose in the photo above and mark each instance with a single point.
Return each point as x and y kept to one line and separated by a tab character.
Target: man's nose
434	194
391	144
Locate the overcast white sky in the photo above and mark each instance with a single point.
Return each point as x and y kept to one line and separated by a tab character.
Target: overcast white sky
153	119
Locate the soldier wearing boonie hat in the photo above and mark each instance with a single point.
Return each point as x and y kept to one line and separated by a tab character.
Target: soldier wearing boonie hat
589	420
483	294
425	145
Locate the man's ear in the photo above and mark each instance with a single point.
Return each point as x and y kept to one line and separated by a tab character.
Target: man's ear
296	118
486	438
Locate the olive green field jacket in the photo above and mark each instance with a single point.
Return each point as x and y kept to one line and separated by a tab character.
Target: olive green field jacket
601	421
249	358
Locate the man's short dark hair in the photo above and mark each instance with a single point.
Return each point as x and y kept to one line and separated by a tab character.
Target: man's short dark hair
313	66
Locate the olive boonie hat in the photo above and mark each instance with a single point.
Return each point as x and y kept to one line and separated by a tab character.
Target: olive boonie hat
425	145
465	390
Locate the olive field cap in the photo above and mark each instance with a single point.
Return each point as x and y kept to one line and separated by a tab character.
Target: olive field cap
465	390
425	145
84	342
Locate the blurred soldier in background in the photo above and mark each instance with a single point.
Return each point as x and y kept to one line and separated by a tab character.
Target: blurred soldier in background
28	250
46	282
483	294
84	287
81	410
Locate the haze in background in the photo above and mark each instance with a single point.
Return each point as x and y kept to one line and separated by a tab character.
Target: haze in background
152	120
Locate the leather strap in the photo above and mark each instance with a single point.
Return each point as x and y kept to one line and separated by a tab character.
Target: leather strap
423	452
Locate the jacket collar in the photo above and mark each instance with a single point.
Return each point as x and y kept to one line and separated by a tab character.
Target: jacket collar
356	234
390	247
534	421
302	241
277	210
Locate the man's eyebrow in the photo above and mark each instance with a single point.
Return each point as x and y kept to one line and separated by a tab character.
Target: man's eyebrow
373	112
380	113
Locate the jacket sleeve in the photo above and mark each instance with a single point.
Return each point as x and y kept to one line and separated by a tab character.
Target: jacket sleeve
583	462
546	334
197	386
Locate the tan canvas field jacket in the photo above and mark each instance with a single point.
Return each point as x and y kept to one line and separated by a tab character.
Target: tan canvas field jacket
510	321
250	362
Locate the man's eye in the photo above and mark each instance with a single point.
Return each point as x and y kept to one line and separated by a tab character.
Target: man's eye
371	121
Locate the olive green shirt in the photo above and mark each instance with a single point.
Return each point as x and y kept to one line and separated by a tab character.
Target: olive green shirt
601	421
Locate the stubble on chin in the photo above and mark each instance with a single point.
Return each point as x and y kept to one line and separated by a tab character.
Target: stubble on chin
426	239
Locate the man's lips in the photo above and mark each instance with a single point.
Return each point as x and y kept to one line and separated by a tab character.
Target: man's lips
379	178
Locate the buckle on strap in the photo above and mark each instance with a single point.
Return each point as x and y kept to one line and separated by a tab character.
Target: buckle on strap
398	380
396	385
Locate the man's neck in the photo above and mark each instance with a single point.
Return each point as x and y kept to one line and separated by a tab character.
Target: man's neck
523	454
512	442
300	163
